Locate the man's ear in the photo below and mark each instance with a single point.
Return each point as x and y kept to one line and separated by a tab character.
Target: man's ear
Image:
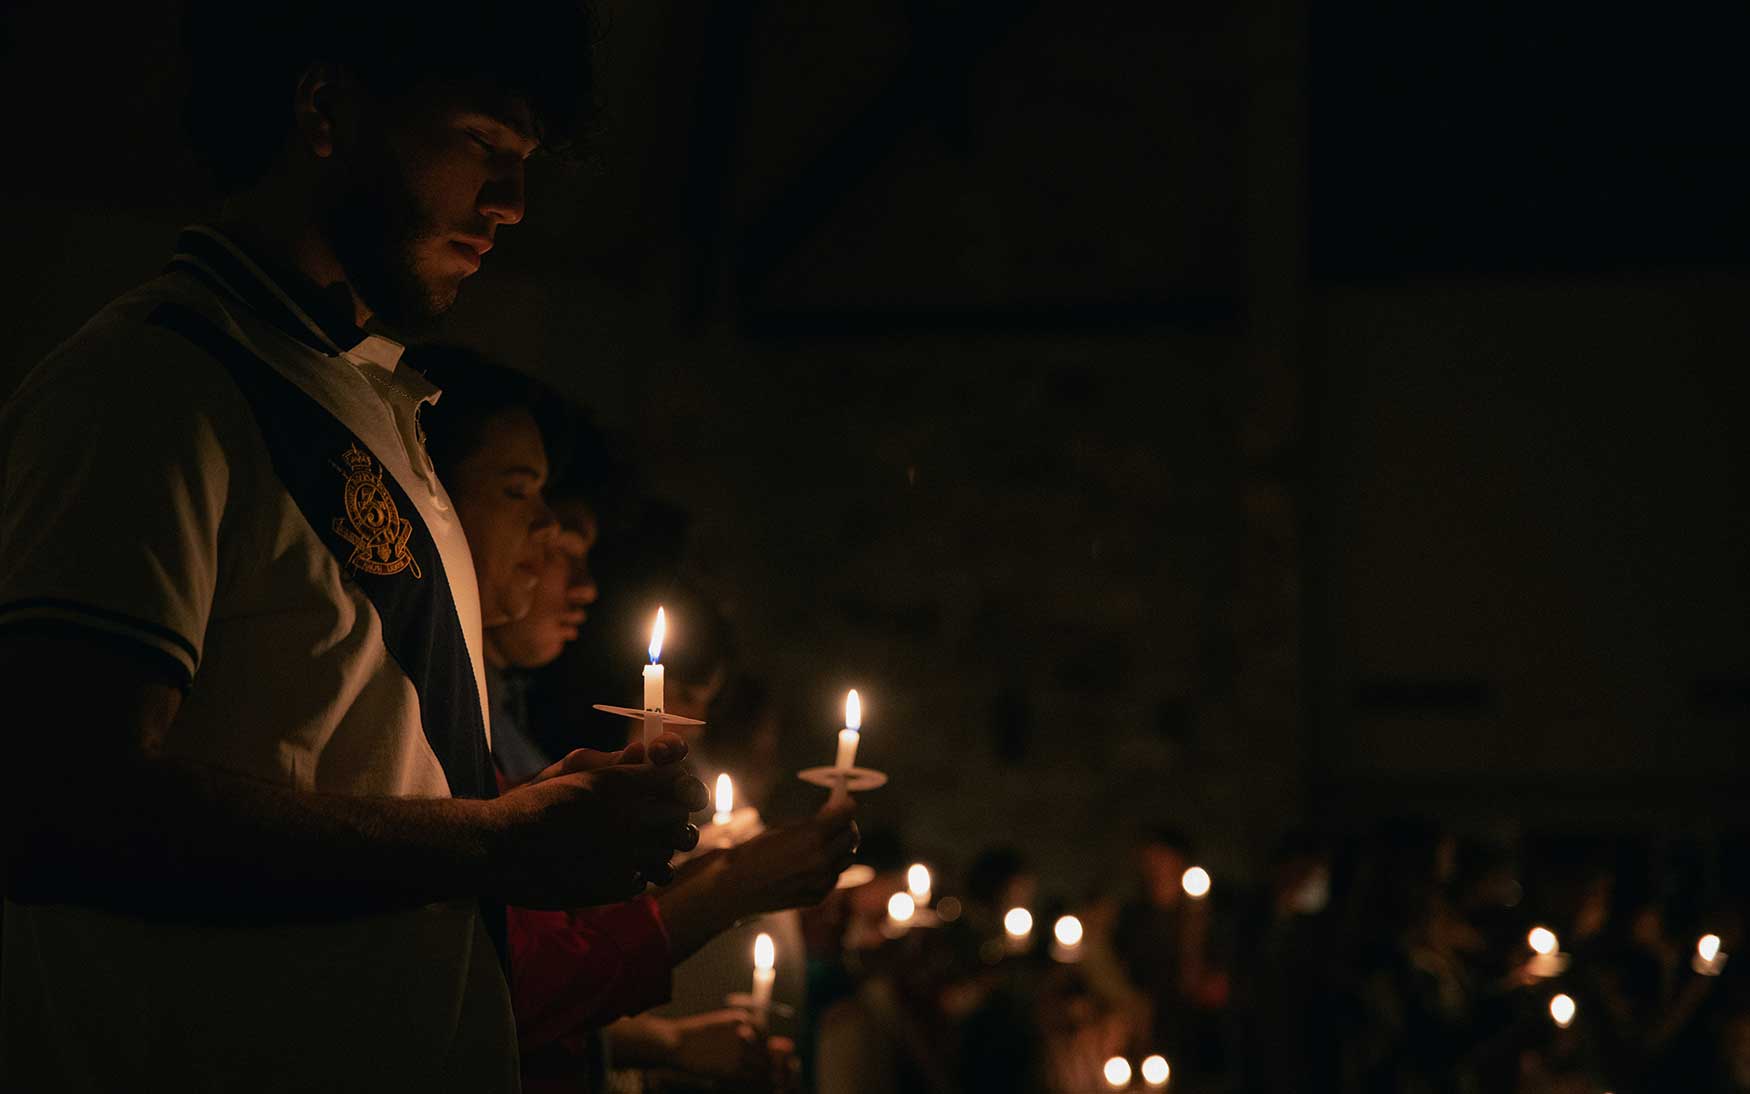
316	106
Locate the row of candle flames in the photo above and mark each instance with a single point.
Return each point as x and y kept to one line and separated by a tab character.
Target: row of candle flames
1547	961
911	906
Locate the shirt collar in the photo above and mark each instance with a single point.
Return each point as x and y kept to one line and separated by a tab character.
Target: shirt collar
320	318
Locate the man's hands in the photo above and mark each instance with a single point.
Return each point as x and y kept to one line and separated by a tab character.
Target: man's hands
594	827
794	865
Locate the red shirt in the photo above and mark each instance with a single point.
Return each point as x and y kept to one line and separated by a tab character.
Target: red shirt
573	972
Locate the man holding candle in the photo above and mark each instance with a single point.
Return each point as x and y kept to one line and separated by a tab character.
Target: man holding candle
256	845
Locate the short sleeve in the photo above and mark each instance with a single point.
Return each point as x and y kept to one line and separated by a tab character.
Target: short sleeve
113	485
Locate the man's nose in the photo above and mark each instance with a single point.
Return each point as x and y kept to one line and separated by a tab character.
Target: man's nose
502	198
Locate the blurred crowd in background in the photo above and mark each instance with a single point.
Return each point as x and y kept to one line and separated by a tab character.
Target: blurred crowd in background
1405	958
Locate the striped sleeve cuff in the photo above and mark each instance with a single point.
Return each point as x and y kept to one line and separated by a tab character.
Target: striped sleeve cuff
154	637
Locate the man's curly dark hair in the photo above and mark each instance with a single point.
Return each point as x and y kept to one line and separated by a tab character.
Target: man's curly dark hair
246	56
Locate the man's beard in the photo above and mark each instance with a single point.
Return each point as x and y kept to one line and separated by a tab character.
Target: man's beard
377	229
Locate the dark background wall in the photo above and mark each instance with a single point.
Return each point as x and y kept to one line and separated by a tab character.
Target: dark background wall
1091	390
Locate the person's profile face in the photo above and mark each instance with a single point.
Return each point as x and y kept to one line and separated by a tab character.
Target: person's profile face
429	178
497	493
561	598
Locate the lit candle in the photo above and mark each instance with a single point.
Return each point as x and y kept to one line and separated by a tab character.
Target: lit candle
765	960
653	680
900	908
917	883
1195	882
1068	930
1067	933
725	800
1018	925
848	735
1117	1072
1561	1008
1708	958
1155	1071
1546	958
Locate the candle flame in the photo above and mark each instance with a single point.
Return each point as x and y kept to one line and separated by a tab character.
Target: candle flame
1196	882
765	953
853	711
657	631
1068	930
1561	1008
1709	947
725	795
1542	940
1155	1070
917	881
1018	922
901	907
1117	1072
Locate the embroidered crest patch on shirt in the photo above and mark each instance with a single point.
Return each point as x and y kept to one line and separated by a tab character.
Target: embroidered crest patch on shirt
375	528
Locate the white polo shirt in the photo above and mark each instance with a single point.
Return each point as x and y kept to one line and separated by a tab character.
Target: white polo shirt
139	499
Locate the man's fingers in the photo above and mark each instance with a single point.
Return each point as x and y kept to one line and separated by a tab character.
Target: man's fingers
691	793
576	761
660	782
667	748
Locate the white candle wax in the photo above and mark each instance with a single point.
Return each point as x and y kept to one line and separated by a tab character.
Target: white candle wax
653	679
847	757
765	956
725	800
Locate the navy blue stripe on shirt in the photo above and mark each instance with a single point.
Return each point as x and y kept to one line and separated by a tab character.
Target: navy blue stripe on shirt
318	460
60	607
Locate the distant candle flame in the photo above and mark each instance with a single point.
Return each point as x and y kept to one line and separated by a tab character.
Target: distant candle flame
1068	931
765	954
725	796
656	634
901	907
1117	1072
1018	922
1709	947
1562	1008
917	881
853	711
1155	1070
1542	940
1196	882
